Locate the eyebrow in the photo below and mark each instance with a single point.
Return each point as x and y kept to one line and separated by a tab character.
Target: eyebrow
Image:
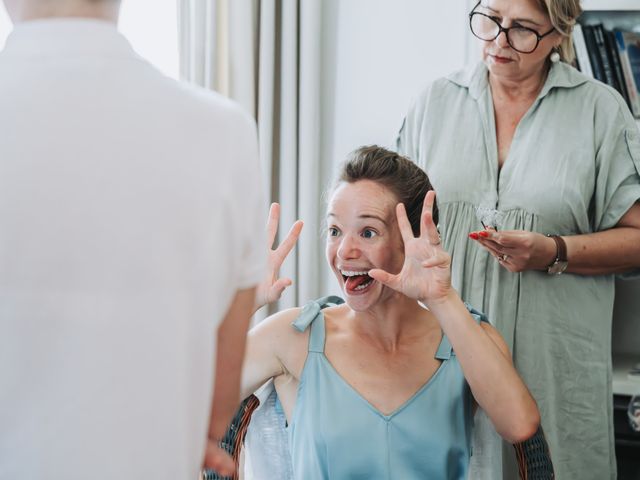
519	20
375	217
364	216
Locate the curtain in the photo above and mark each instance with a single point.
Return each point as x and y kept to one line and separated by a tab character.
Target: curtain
266	55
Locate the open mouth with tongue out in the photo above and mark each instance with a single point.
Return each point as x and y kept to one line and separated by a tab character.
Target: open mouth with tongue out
356	282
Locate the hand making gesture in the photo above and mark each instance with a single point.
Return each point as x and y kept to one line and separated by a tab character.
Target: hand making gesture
517	250
426	273
272	287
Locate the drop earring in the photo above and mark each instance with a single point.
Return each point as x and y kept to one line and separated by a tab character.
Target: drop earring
555	56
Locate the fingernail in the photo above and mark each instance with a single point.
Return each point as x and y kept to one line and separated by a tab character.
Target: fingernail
473	236
483	233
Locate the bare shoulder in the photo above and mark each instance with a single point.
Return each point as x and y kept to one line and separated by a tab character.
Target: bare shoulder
334	317
495	335
286	343
279	322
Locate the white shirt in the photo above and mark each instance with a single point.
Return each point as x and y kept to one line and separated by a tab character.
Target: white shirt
130	213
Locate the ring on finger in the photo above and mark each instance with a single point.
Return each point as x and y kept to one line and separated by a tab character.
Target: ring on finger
504	257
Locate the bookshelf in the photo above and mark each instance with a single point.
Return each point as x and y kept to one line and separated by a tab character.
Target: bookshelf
624	14
611	5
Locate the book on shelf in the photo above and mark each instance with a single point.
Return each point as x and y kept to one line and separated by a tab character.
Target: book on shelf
629	52
592	51
613	57
582	54
603	53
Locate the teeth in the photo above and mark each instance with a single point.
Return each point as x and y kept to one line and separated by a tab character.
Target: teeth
363	286
348	273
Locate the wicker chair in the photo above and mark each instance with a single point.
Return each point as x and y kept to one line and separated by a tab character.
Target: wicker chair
234	438
534	459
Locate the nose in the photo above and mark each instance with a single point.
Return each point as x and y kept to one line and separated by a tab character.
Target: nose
349	248
501	40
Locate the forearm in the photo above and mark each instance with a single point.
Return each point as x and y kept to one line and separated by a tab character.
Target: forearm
611	251
231	342
493	380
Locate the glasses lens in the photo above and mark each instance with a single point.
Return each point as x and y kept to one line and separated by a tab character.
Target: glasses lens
523	39
484	27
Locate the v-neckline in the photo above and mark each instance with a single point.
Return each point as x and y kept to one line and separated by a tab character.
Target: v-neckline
493	132
399	408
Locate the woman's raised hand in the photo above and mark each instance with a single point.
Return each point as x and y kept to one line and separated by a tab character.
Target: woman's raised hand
426	273
272	287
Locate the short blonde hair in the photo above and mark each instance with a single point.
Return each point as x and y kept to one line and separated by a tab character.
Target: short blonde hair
563	15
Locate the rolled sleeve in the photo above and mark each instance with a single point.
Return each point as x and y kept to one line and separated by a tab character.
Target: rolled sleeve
618	176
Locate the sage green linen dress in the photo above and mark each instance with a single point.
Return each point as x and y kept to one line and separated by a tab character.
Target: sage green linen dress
573	168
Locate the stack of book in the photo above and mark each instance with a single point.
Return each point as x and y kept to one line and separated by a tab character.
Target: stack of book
611	56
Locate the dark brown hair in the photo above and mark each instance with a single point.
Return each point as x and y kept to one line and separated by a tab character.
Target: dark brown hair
405	179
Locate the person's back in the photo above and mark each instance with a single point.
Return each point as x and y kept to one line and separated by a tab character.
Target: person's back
123	239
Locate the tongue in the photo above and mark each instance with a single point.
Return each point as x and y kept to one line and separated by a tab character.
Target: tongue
353	282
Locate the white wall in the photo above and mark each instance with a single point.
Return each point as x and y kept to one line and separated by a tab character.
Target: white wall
378	56
152	28
385	52
150	25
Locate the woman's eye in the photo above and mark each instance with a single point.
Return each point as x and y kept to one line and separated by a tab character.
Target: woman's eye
333	232
368	233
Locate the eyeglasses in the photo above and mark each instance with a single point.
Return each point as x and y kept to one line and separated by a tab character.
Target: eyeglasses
521	39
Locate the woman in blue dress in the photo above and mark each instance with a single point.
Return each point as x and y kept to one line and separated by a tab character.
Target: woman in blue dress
385	385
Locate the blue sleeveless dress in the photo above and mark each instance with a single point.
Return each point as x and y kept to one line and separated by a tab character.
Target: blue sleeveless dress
336	434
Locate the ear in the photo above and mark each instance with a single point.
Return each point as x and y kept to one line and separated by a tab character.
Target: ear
560	38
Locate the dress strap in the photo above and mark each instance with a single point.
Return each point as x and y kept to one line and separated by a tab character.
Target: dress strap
445	350
311	314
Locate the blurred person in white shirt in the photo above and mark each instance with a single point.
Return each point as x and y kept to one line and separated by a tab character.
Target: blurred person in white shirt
131	242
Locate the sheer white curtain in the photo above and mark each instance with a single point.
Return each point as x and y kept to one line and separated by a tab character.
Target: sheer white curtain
266	55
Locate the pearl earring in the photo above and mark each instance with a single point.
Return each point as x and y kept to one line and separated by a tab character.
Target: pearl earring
555	56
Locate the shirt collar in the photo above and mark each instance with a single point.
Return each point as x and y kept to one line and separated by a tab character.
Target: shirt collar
476	79
67	36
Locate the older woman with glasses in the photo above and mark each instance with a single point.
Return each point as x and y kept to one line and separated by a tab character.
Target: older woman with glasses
543	177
